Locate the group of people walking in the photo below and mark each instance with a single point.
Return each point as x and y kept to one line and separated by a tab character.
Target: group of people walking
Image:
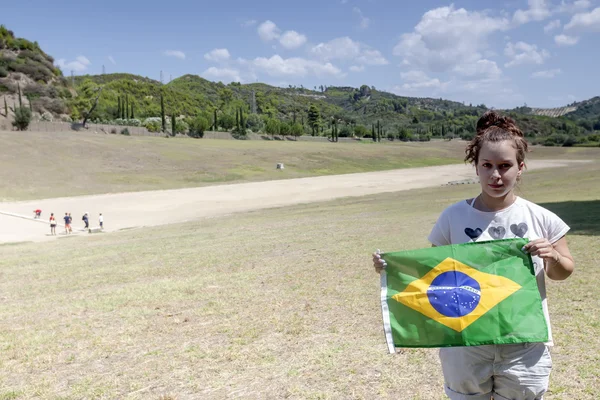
69	220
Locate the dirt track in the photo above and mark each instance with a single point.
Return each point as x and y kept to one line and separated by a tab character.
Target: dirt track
151	208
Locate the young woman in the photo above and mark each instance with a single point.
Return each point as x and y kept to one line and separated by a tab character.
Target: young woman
501	372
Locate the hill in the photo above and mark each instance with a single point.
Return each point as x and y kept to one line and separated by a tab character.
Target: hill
129	99
25	66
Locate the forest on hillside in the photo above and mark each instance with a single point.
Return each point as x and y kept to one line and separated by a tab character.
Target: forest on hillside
191	104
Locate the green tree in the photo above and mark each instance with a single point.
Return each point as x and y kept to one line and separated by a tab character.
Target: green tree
20	100
5	108
215	121
297	130
361	131
314	119
373	132
242	129
126	109
22	118
227	121
272	127
162	113
285	128
173	125
197	127
132	113
118	107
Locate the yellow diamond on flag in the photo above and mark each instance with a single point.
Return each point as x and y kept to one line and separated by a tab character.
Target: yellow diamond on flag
456	295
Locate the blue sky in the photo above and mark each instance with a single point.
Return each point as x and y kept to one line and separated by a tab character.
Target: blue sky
503	54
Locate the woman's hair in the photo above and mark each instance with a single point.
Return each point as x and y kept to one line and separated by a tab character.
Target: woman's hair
492	127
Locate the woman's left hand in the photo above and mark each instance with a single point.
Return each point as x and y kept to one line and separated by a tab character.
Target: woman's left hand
542	248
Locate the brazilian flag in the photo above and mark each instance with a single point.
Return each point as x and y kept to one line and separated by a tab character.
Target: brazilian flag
462	295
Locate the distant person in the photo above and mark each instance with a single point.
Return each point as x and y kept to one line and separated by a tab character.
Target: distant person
86	220
67	219
37	213
52	224
101	221
70	223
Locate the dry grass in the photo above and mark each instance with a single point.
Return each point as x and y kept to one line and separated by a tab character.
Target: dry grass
38	165
272	304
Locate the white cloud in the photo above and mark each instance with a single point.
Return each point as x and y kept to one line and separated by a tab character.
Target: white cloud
217	55
481	69
292	40
112	60
357	68
417	79
227	74
446	37
175	53
268	31
589	21
571	8
524	53
294	66
550	26
80	64
364	21
550	73
565	40
538	11
346	49
249	22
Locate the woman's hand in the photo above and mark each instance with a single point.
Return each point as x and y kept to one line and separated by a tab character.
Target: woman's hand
543	249
378	262
558	261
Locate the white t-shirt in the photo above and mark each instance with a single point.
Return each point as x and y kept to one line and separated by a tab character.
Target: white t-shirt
462	223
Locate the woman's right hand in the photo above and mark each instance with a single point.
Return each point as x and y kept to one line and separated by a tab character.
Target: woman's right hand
378	262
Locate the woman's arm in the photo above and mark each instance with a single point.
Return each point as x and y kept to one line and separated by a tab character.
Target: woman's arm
558	261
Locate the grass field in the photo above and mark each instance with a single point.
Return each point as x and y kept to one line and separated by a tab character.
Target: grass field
259	306
35	165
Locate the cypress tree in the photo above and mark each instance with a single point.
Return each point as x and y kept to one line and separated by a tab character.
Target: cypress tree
20	100
173	125
132	113
237	121
215	120
30	107
119	107
373	132
162	113
5	107
126	110
242	122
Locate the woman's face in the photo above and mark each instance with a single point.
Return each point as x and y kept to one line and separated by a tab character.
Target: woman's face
498	168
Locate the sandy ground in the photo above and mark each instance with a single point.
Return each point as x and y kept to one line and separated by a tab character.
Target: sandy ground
160	207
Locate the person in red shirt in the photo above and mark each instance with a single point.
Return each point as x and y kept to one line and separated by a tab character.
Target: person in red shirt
37	213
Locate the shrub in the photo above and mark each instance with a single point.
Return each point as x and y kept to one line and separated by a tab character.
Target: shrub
55	106
113	131
22	118
3	72
125	131
197	127
390	136
345	131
